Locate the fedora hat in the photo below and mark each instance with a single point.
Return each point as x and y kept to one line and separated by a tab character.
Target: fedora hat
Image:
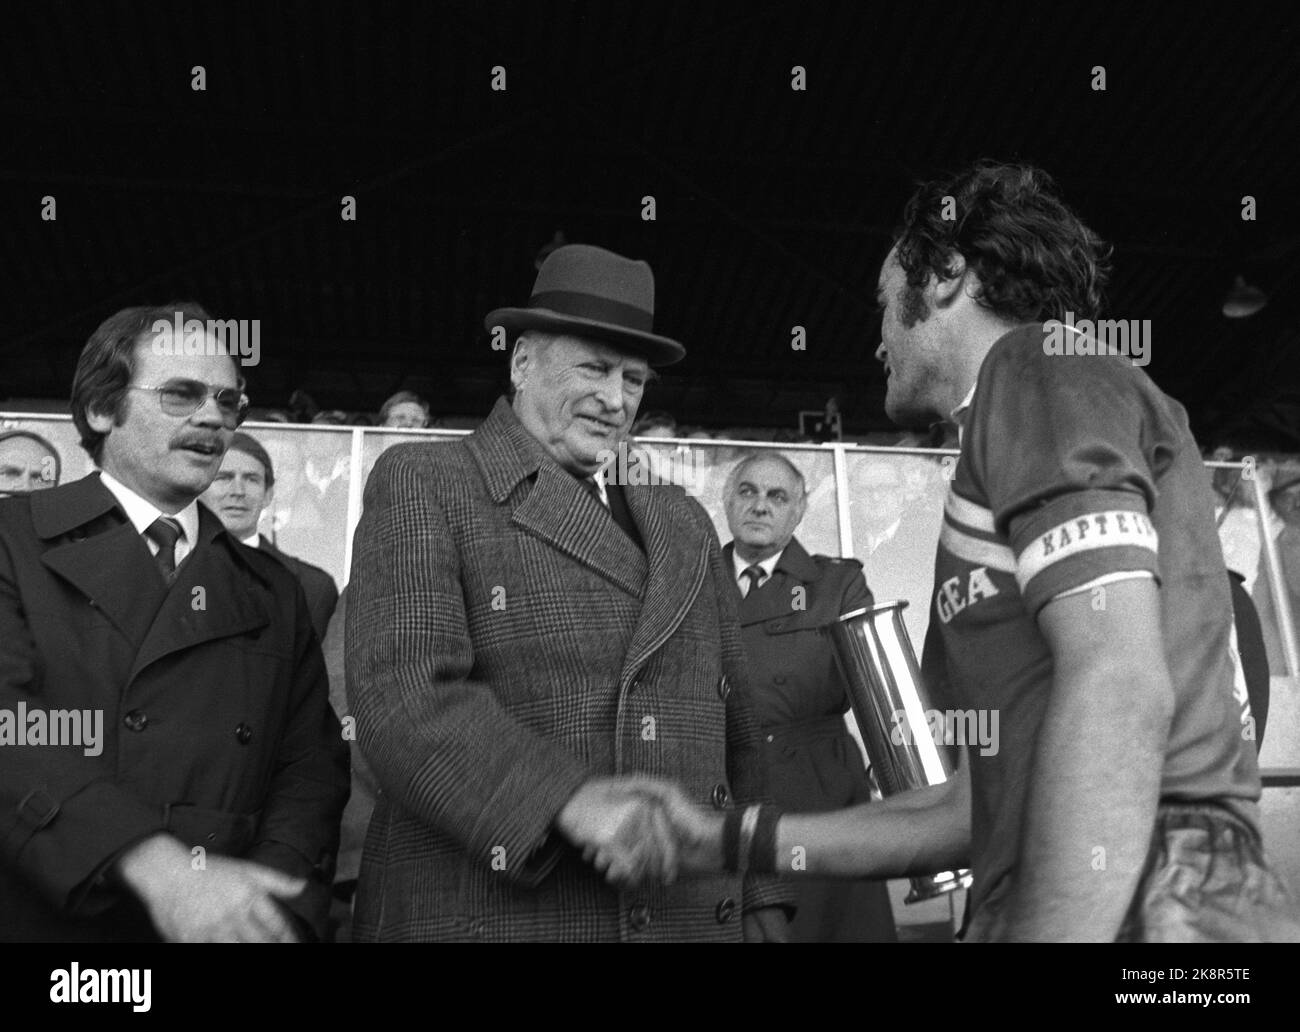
595	294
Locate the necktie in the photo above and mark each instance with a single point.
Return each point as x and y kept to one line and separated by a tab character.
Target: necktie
165	532
755	575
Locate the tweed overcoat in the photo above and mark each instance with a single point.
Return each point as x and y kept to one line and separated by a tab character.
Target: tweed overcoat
506	641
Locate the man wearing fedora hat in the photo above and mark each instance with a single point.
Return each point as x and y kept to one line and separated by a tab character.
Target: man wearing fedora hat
526	639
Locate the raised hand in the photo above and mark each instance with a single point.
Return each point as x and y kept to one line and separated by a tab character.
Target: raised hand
228	900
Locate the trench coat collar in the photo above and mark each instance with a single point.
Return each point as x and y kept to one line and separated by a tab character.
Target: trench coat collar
105	559
773	599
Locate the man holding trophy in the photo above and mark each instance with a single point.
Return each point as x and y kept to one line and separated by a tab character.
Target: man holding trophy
1079	595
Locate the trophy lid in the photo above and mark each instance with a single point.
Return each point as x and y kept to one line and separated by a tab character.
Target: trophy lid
900	604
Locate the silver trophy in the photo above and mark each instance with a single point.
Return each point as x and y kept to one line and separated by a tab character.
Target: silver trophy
892	709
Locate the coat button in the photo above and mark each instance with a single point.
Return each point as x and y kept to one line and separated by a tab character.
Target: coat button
779	679
724	688
725	910
244	734
639	915
721	797
136	721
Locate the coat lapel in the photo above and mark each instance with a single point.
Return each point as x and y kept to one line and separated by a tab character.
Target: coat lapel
561	512
667	577
209	599
774	599
557	509
101	555
677	549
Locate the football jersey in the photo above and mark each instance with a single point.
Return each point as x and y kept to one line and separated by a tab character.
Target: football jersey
1075	469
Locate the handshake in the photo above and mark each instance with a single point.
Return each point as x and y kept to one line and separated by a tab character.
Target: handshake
637	829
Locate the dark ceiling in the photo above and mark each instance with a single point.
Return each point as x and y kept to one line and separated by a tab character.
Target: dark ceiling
773	206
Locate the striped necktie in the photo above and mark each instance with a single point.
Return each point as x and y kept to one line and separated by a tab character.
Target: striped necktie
165	532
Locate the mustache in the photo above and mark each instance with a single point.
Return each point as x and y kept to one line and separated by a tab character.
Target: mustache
203	440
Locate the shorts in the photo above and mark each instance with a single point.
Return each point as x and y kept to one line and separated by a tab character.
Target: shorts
1206	880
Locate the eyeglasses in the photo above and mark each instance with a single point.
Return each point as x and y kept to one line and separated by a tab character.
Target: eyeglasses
185	397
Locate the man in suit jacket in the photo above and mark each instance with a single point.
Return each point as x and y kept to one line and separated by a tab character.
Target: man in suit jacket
798	693
520	635
242	488
197	798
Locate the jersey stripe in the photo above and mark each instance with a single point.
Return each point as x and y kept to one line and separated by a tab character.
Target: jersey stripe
977	550
964	511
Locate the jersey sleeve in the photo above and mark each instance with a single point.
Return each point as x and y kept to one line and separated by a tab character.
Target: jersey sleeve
1064	449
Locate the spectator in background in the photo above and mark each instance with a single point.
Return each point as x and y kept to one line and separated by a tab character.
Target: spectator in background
1284	499
655	424
1235	516
405	410
28	462
302	407
316	502
243	488
797	692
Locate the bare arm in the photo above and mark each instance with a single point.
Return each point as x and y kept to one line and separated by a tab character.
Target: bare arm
918	832
1096	768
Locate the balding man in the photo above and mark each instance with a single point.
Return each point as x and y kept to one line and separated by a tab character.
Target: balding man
28	462
798	692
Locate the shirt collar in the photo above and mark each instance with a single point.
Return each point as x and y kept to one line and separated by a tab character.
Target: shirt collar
599	478
958	415
253	540
142	512
767	565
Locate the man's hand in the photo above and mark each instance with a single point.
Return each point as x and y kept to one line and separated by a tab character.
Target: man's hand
229	901
767	924
622	830
698	831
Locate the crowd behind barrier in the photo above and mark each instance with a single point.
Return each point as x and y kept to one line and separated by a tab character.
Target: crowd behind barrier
880	505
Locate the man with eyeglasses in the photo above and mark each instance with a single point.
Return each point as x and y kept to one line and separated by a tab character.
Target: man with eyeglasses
208	807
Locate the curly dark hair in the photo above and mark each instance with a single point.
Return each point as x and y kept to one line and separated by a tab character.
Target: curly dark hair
1035	258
